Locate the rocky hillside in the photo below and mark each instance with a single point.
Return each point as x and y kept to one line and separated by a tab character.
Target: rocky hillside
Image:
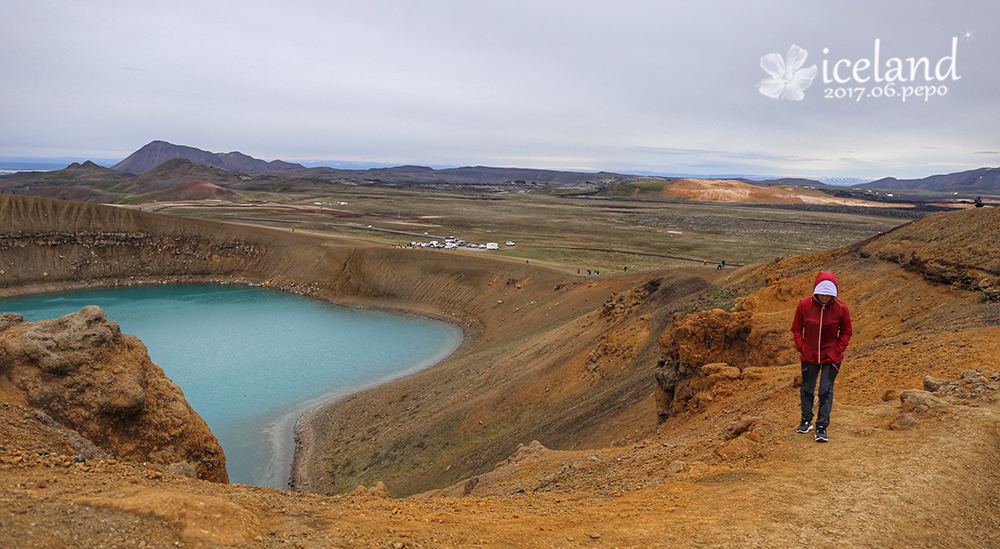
556	372
197	190
171	173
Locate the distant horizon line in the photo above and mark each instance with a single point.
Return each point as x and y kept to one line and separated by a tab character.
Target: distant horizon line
27	164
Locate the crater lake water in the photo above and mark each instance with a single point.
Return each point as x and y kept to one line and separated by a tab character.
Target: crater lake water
251	360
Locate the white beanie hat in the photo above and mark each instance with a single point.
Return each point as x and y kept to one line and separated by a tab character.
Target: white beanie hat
826	287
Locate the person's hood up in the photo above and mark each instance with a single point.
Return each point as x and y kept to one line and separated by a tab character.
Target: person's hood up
826	284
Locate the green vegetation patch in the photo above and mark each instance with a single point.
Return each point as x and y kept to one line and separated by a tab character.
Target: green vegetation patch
642	188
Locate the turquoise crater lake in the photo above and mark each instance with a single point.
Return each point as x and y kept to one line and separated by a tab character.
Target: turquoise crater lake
251	360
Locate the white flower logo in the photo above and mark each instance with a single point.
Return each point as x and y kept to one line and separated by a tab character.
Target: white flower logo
788	80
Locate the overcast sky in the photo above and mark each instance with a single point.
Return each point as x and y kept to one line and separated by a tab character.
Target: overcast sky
657	86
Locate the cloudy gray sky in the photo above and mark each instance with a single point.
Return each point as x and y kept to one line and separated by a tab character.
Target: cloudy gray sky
657	86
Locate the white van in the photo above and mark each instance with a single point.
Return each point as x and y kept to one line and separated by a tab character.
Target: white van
492	246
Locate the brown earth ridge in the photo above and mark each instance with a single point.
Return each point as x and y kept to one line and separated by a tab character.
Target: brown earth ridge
548	427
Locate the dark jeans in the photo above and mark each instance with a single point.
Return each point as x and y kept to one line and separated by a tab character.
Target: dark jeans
827	374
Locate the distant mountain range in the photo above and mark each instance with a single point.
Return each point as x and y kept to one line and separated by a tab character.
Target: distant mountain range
158	152
159	165
155	154
984	179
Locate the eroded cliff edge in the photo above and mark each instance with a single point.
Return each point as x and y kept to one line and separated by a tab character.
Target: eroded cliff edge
81	371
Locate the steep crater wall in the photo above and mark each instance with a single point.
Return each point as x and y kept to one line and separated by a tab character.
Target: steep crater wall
502	305
50	245
968	259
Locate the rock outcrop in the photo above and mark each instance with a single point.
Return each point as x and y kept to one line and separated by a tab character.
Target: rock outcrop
88	376
704	351
623	303
939	394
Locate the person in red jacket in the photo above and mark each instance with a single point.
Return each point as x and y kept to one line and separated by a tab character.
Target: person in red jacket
822	330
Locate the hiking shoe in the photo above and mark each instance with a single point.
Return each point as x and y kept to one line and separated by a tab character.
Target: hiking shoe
804	427
821	435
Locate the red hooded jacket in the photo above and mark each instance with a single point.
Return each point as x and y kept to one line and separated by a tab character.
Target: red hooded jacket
822	331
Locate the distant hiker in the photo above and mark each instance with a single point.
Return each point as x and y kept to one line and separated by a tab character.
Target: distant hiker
578	271
822	329
979	202
719	268
626	268
705	263
588	271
